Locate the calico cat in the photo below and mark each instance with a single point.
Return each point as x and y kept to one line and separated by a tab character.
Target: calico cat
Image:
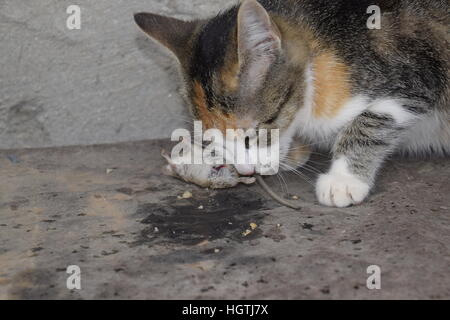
314	70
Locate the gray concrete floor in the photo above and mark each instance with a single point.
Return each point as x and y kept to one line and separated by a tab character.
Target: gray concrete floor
133	238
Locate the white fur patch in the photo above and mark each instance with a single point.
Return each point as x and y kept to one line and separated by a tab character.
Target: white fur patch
392	108
430	134
322	130
340	188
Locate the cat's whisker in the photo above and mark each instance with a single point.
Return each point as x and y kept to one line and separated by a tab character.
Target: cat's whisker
307	168
305	151
279	180
311	169
321	162
296	172
303	177
287	168
185	120
284	181
318	142
293	163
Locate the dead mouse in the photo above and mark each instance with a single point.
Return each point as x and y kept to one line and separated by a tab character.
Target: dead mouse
206	176
217	177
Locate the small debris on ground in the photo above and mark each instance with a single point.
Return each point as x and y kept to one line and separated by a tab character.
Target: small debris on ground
253	227
108	171
200	207
203	243
246	232
295	197
216	250
186	195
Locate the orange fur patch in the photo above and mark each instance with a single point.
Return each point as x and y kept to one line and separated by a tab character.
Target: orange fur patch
331	85
211	118
229	77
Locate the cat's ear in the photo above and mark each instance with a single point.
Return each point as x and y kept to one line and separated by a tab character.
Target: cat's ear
173	33
259	42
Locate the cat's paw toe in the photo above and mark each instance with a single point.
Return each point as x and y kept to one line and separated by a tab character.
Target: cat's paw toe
336	190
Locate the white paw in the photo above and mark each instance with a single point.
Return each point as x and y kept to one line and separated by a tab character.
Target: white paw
341	190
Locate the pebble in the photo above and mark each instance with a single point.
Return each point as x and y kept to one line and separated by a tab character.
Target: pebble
186	195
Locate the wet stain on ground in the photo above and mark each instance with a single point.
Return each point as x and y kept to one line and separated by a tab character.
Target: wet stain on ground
206	216
275	234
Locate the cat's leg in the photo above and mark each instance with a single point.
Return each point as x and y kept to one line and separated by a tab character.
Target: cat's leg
358	153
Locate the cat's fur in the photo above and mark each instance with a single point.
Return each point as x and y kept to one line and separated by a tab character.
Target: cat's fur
313	69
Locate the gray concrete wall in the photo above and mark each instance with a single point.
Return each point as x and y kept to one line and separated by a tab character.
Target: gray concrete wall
104	83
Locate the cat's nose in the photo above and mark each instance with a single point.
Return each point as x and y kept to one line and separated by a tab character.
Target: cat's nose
245	169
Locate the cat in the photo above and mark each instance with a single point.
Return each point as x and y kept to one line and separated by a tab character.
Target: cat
314	70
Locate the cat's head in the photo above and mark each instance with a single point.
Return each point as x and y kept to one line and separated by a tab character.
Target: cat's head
242	68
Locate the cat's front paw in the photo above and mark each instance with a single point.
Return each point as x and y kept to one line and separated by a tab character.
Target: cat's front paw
341	190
